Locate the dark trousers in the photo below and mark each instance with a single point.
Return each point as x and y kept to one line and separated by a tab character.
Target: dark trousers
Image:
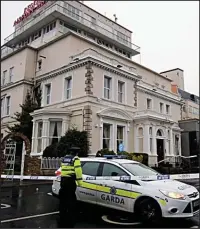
67	208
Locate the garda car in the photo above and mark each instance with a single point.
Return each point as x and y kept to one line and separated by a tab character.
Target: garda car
148	199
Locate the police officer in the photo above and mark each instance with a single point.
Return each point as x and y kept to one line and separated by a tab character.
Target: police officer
71	175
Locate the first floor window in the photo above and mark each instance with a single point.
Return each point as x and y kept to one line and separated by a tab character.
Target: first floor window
47	93
55	131
107	87
120	136
167	109
7	105
68	87
4	78
106	136
39	137
2	106
120	92
149	103
11	74
161	107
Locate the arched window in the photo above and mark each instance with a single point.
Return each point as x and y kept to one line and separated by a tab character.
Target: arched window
150	131
140	131
159	133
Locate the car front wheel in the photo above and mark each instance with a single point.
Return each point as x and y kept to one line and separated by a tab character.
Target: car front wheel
148	210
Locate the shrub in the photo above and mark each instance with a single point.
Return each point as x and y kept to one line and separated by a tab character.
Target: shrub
50	151
103	152
72	138
140	157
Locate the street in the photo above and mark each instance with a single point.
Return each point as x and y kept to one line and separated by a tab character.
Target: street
33	206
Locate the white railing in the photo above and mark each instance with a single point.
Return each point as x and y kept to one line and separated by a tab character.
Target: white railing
57	6
50	163
152	113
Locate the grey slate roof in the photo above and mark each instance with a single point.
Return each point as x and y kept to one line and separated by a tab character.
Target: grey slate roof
188	96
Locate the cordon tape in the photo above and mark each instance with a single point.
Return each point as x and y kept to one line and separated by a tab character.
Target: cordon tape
155	177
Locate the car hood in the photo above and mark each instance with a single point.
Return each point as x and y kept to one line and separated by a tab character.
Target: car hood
171	185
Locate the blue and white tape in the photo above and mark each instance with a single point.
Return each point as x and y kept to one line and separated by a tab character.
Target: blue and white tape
156	177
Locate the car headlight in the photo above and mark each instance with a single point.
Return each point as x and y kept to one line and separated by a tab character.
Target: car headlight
173	195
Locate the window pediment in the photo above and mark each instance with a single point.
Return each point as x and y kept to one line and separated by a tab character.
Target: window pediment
115	113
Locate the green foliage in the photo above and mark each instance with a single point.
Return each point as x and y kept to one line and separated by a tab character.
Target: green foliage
140	157
50	151
103	152
72	138
24	119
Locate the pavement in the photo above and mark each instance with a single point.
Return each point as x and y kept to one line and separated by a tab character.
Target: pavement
33	206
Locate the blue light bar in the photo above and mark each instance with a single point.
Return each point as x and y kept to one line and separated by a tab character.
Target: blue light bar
115	156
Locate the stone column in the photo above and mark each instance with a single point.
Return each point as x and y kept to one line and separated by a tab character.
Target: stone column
36	141
179	145
153	156
166	143
89	79
65	126
45	133
34	137
171	143
87	124
146	140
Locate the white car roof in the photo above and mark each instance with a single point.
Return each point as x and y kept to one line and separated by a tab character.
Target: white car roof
118	161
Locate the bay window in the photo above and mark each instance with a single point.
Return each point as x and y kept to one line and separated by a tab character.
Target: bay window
39	137
55	131
8	105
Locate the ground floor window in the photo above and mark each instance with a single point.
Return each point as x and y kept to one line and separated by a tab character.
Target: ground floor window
55	131
120	136
140	140
106	136
39	137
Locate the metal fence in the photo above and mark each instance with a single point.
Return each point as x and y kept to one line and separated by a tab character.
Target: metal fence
50	163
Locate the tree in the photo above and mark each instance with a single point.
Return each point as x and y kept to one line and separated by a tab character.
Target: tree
24	123
73	137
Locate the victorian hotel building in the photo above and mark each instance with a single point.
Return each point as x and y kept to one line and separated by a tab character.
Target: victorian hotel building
82	62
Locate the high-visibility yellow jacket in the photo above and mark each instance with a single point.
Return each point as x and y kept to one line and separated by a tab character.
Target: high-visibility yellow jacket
71	167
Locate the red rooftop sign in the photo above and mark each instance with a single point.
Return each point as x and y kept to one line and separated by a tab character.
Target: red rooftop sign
29	10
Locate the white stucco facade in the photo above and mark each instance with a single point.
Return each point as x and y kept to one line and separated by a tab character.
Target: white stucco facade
89	81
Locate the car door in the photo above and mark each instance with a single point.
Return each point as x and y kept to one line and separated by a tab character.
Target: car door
116	197
86	192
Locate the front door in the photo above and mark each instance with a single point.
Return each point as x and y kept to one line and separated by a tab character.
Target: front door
113	192
87	191
160	149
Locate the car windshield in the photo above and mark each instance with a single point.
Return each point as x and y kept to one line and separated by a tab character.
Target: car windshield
138	169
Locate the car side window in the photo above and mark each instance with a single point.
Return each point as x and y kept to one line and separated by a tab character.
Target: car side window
112	170
90	168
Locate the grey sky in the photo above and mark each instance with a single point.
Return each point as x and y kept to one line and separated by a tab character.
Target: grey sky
167	32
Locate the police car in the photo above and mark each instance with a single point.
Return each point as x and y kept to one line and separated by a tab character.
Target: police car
148	199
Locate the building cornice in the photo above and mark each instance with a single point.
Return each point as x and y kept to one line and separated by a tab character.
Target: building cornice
160	95
17	50
14	84
102	47
83	62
